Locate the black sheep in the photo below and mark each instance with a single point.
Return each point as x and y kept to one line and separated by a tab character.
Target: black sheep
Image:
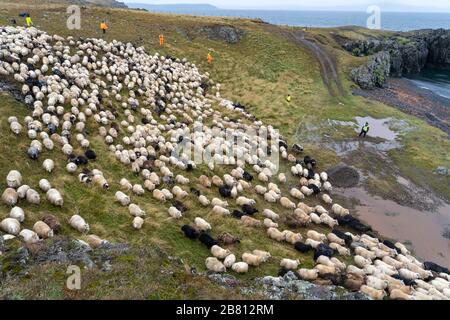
247	176
303	248
390	244
195	192
428	265
323	250
207	240
81	160
189	167
179	205
249	210
225	191
310	174
145	121
314	188
296	148
189	232
348	240
237	214
282	143
90	154
407	282
33	153
51	128
309	162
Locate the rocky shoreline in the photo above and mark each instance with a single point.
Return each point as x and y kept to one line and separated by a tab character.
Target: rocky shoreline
406	96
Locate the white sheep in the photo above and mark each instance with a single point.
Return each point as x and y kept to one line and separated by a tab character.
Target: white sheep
289	263
122	198
138	222
286	203
22	191
43	230
138	189
220	210
229	260
308	274
44	185
17	213
10	196
135	210
316	235
265	255
29	236
202	224
252	259
14	179
78	223
240	267
219	252
175	213
55	197
32	196
10	226
48	165
213	264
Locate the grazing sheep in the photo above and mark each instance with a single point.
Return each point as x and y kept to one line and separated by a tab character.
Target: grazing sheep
261	190
179	193
402	248
122	198
159	195
240	267
351	269
181	180
99	180
361	262
43	230
218	202
201	224
10	196
221	211
308	274
316	235
44	185
219	252
205	182
29	236
315	218
353	282
297	194
275	234
250	222
52	222
270	214
373	293
10	226
135	210
245	201
55	197
270	198
341	250
48	165
286	203
175	213
329	221
268	223
22	191
282	177
138	223
213	264
327	199
203	200
78	223
289	263
301	247
95	241
324	270
376	283
150	186
397	294
332	238
14	179
407	274
307	209
229	260
265	255
17	213
339	210
292	237
306	191
71	167
125	184
313	243
216	181
365	253
227	238
252	259
207	240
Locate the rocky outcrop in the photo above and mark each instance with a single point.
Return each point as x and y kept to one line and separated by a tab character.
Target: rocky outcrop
374	73
409	53
225	33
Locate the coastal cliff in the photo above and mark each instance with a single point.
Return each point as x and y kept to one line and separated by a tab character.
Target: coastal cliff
409	53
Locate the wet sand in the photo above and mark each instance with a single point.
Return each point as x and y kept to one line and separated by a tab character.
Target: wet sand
422	229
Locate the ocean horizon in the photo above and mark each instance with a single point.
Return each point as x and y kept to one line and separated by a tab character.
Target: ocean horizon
394	21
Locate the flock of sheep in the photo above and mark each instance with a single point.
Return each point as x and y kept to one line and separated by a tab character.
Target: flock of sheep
145	107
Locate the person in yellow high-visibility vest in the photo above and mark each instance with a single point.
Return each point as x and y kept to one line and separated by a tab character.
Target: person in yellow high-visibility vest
288	98
103	27
209	58
161	40
28	20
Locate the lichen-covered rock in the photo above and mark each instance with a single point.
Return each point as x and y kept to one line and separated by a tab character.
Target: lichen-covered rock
375	73
225	33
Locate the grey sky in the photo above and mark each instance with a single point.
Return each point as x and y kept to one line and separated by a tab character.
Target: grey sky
391	5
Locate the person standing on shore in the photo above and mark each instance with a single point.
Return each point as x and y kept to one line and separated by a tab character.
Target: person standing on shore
364	130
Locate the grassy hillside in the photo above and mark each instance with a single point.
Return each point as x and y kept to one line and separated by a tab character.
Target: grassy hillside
258	71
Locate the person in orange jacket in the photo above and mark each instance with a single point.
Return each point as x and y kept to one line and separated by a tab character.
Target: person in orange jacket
209	58
103	26
161	40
